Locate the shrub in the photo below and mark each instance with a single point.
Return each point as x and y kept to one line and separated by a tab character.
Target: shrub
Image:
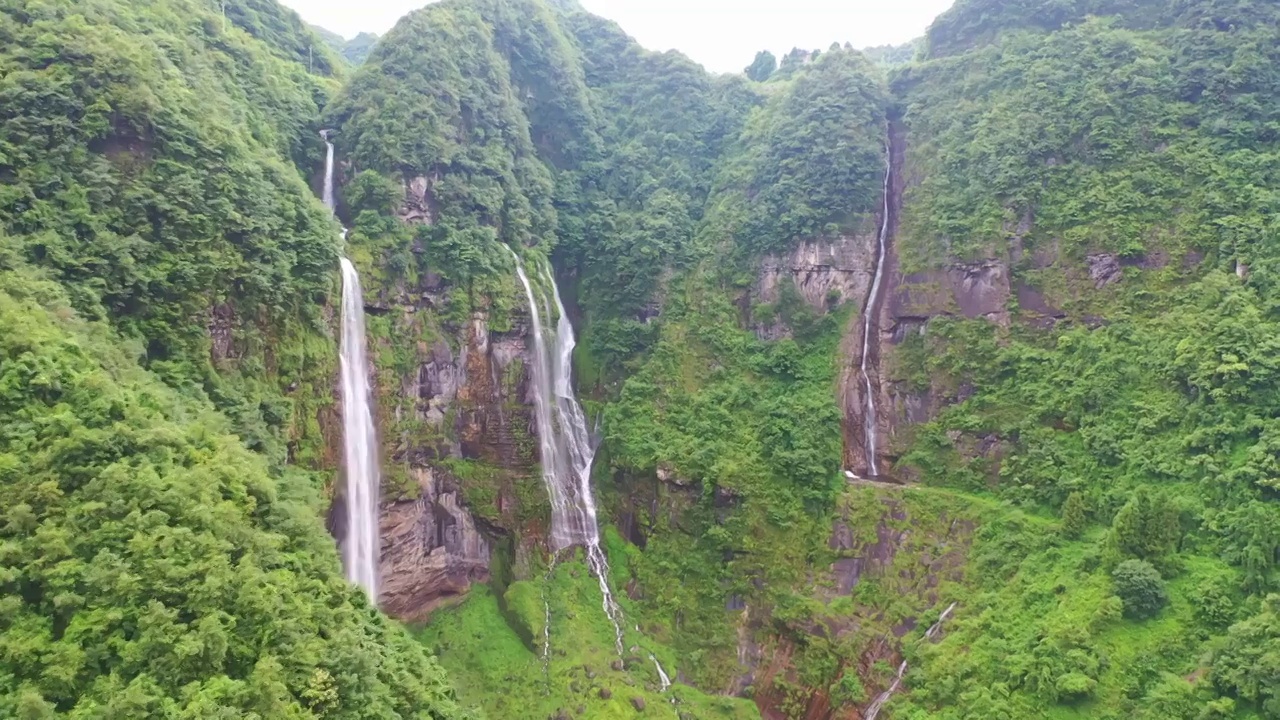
1140	587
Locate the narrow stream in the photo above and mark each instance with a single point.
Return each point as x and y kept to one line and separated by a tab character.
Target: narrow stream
873	710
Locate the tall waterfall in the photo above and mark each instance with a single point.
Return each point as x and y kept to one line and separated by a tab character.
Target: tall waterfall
361	548
564	443
869	313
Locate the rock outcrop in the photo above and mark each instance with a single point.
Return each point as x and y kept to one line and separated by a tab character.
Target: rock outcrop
455	428
910	556
826	272
431	548
442	407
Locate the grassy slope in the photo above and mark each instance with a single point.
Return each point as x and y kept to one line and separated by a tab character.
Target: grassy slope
495	667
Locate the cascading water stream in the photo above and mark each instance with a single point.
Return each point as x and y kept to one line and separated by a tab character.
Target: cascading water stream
869	313
564	443
873	710
662	674
361	547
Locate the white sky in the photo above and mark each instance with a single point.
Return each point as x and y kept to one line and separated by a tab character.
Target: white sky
723	35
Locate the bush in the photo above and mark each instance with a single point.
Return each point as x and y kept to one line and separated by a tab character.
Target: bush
1140	587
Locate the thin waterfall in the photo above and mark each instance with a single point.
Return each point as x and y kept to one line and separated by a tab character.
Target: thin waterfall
361	548
327	194
869	313
662	674
873	710
564	443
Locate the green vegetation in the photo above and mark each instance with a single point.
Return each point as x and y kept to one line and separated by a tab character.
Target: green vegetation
490	642
165	367
1144	418
762	67
755	426
1095	487
354	51
1140	587
148	161
150	564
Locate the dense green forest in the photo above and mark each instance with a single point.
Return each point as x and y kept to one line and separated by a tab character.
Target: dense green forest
1085	470
164	361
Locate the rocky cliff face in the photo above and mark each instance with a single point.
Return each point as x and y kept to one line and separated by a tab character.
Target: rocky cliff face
456	429
825	272
977	289
454	421
432	549
852	388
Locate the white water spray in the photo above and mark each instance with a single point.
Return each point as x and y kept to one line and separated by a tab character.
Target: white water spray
564	444
869	313
873	710
361	548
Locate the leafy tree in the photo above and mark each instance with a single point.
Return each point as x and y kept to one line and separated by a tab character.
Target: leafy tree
1073	515
762	67
1147	527
1247	666
1139	585
792	61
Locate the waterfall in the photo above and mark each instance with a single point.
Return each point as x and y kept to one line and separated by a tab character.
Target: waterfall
361	548
662	674
873	710
935	628
327	194
869	313
564	443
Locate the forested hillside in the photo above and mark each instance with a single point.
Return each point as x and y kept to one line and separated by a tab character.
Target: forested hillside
1122	167
165	363
936	381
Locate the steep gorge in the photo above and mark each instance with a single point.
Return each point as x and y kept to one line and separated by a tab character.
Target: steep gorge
702	272
984	338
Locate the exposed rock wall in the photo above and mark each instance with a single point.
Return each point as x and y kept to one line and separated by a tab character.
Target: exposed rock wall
879	537
455	429
431	548
461	398
826	273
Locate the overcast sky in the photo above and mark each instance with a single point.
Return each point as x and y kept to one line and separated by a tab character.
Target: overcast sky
723	35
